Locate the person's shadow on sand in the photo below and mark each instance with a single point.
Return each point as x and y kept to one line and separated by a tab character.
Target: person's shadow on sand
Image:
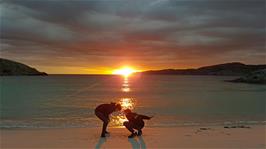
101	141
137	144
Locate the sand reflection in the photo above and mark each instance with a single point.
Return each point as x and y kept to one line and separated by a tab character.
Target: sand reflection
137	143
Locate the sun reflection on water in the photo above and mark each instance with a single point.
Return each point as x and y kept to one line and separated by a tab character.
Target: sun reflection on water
125	85
126	89
120	118
126	103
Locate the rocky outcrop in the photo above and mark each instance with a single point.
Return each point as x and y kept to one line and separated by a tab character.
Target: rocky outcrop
256	77
11	68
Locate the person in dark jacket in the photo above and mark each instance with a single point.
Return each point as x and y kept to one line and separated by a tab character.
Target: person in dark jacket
135	121
103	111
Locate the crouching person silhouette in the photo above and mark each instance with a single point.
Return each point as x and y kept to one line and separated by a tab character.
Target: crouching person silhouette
135	121
103	111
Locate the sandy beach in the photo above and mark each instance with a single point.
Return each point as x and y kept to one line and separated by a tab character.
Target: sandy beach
171	137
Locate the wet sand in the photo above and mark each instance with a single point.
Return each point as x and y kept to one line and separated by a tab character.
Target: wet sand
171	137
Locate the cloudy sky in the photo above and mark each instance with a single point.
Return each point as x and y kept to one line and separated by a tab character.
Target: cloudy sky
87	36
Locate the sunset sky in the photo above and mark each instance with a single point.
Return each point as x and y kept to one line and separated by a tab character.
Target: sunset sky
87	36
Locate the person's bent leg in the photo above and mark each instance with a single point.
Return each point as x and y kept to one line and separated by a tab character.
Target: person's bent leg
129	127
139	127
139	132
105	120
104	128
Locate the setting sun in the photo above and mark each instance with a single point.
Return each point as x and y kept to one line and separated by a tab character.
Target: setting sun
125	71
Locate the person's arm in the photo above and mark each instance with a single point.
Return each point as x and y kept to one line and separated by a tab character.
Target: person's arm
134	115
144	117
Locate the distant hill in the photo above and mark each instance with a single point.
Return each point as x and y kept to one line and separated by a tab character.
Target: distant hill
227	69
11	68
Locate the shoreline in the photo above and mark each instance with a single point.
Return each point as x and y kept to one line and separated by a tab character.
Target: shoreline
215	124
153	137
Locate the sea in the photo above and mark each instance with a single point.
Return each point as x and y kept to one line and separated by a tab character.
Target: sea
68	101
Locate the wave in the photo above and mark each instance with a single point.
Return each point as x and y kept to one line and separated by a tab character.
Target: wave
8	124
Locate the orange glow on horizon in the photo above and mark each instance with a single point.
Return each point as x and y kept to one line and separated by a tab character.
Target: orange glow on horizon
125	71
108	69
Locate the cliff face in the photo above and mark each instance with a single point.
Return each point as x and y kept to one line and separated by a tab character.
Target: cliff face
227	69
11	68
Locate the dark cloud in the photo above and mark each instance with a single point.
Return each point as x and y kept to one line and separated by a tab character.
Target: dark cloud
151	34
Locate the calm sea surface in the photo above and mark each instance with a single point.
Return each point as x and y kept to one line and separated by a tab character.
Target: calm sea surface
62	101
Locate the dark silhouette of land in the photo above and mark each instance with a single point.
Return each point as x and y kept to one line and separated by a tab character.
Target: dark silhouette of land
255	77
254	74
12	68
227	69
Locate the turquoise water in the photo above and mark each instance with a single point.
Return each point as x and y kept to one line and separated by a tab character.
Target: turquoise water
62	101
